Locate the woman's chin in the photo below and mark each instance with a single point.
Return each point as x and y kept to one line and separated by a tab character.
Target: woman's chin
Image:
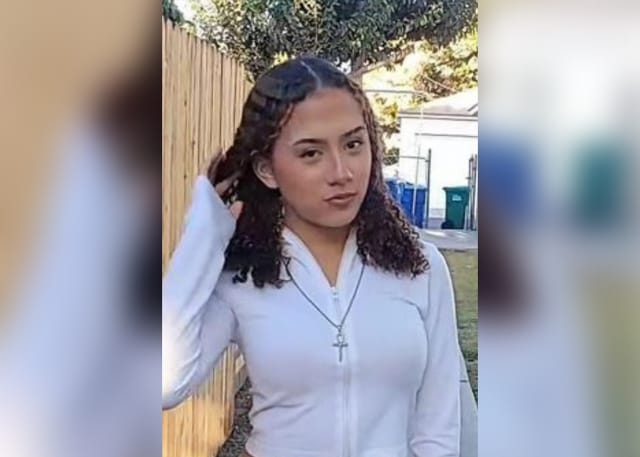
335	221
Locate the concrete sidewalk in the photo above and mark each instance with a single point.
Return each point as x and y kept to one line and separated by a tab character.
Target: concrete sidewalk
459	240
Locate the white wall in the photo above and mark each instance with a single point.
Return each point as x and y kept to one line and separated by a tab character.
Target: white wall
449	154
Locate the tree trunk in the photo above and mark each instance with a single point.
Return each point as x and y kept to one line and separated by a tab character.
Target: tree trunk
393	59
357	62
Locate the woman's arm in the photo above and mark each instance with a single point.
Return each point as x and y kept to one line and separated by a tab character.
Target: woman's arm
436	427
196	325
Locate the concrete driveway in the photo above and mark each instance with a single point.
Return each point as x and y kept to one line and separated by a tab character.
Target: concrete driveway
459	240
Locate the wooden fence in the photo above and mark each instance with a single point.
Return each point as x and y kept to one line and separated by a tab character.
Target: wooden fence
203	94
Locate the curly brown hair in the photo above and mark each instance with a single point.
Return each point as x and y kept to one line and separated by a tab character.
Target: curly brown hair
385	237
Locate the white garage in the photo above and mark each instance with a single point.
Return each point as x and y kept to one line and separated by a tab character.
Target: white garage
438	148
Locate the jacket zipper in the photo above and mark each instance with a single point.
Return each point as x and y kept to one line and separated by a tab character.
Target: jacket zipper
344	366
347	441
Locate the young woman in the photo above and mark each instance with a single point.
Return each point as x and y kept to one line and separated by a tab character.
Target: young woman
293	249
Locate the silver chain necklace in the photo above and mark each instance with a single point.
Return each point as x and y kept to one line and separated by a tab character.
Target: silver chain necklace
340	342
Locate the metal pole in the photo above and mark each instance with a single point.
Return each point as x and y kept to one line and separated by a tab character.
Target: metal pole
471	184
415	184
475	192
469	178
428	192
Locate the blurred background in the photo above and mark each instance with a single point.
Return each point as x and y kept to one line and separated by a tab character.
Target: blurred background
80	228
559	195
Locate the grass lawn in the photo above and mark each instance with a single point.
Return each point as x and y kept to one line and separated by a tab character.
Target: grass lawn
464	270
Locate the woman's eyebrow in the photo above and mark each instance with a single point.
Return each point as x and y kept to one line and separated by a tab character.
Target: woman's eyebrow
309	140
358	129
322	141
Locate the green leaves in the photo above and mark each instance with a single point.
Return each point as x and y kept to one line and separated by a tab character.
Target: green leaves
451	68
171	12
344	31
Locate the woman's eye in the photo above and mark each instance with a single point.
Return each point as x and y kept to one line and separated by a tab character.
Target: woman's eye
310	153
354	144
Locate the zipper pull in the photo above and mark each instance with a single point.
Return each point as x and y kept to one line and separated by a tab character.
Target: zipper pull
334	293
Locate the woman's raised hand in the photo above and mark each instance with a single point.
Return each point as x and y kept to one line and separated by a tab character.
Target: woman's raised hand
223	186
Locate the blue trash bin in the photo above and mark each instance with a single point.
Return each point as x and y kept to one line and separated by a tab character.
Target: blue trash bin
395	187
416	215
392	185
421	202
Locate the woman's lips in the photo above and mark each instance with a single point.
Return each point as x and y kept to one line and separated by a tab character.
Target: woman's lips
342	199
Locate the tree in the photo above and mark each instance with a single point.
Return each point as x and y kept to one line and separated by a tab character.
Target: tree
172	12
435	71
387	113
354	34
449	69
391	156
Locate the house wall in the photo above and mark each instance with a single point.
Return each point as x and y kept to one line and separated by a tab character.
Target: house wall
453	140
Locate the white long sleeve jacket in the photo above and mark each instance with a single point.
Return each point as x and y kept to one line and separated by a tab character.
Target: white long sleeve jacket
396	392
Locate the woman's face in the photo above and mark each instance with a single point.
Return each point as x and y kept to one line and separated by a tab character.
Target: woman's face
321	162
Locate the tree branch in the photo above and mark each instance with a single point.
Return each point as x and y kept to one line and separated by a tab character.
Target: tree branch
393	59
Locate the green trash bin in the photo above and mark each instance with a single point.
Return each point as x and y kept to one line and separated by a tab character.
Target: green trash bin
457	199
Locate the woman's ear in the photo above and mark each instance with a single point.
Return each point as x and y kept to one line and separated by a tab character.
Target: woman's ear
264	171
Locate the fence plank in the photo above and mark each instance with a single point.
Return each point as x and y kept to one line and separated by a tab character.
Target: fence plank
203	92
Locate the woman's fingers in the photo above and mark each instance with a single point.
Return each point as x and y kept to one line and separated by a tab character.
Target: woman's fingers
213	165
224	185
236	209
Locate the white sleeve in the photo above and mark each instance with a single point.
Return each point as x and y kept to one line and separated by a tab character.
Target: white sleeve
196	326
437	423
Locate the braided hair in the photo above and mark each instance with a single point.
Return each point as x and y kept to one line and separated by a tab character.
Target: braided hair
385	237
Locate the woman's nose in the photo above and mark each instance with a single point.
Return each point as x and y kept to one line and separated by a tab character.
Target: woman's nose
339	171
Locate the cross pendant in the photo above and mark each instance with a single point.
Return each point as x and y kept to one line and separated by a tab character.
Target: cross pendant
340	344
